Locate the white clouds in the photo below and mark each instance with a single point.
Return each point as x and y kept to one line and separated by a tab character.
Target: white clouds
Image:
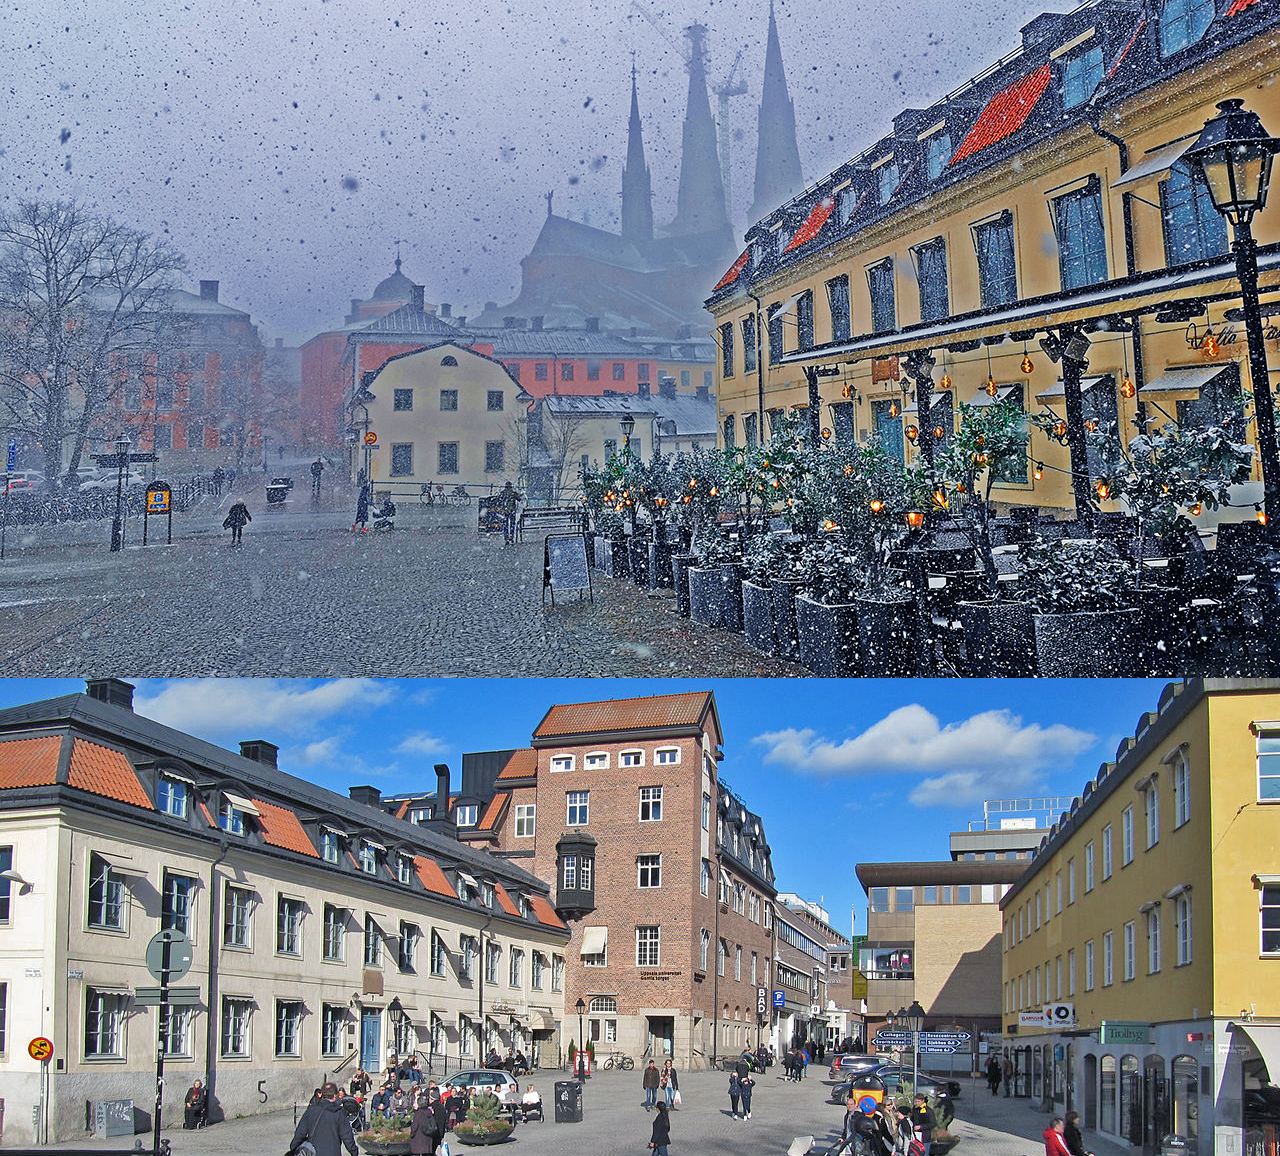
326	751
248	707
422	743
984	756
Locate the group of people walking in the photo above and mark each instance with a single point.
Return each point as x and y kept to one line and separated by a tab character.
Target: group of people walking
999	1071
664	1084
885	1129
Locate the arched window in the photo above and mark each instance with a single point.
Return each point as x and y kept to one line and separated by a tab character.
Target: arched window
604	1003
1185	1120
1130	1100
449	360
1107	1095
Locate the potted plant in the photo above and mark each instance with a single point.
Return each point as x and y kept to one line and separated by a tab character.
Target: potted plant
758	562
826	616
708	592
483	1125
385	1136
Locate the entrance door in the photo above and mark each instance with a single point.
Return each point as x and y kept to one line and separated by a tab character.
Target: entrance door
662	1031
370	1040
1091	1091
1155	1089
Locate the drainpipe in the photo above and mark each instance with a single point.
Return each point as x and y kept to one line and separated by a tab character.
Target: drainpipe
760	434
212	1025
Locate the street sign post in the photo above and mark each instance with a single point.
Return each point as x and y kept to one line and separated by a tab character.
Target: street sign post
159	503
178	996
168	958
41	1048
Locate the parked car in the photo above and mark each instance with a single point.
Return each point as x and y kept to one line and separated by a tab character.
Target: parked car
847	1062
895	1078
110	479
502	1084
28	481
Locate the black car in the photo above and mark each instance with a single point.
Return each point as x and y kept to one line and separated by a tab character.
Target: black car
895	1078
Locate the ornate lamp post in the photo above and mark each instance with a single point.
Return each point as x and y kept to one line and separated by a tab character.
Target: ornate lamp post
1234	153
117	523
913	1017
627	425
582	1067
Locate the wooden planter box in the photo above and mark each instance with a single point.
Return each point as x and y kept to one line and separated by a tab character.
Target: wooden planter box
757	618
828	638
1088	645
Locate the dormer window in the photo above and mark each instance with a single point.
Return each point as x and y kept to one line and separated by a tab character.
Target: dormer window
173	797
782	239
232	816
468	886
1081	75
487	894
466	814
419	815
368	856
937	152
404	869
330	844
887	180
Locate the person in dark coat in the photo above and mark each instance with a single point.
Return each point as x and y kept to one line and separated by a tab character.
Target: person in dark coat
649	1082
1072	1136
195	1105
317	471
745	1085
218	477
362	509
735	1093
235	521
994	1075
325	1124
923	1121
661	1135
428	1125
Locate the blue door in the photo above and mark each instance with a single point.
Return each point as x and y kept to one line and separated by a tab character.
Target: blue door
889	427
370	1040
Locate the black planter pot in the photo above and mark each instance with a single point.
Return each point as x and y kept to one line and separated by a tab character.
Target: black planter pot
757	618
680	564
1088	645
887	637
731	595
999	639
828	637
614	557
660	575
638	560
706	596
1164	631
786	640
591	550
598	543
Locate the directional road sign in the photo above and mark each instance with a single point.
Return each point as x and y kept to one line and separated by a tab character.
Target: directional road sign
179	955
178	996
11	460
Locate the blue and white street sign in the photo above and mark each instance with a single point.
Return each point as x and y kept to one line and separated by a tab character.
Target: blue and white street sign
11	461
779	999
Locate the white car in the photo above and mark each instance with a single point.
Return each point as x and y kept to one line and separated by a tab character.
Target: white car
502	1084
109	479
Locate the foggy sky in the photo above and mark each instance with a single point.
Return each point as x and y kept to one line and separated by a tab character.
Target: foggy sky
284	146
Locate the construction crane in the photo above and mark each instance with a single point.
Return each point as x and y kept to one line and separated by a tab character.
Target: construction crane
681	50
732	85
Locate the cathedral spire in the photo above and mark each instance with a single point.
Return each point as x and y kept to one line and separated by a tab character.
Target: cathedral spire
637	194
700	204
778	176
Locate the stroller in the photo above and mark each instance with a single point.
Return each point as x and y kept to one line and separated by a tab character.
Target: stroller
384	516
354	1109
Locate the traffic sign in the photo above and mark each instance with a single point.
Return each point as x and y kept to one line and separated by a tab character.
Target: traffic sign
893	1039
158	498
178	996
371	438
179	948
41	1048
779	999
12	460
941	1049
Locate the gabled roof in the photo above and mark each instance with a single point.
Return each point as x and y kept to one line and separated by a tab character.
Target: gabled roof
1238	6
102	771
812	223
1006	112
410	320
433	879
523	764
504	900
621	714
493	812
731	275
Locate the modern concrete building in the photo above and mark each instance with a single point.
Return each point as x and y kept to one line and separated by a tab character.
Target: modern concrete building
1140	947
810	958
324	932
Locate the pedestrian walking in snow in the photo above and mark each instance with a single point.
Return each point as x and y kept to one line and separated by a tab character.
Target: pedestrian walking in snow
237	517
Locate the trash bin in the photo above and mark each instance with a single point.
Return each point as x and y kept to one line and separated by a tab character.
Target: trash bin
1174	1145
277	492
568	1102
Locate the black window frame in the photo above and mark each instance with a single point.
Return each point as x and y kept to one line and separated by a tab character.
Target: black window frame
402	400
443	452
880	287
997	286
838	302
726	349
773	315
399	450
448	396
500	397
1205	218
1082	258
804	320
492	464
749	351
930	258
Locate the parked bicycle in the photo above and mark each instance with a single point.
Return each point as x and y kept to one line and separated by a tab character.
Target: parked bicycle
460	497
617	1060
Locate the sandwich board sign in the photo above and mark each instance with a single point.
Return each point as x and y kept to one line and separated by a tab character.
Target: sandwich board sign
564	566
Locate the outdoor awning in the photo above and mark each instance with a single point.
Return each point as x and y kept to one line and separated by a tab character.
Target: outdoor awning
543	1022
594	940
1155	162
1180	379
469	880
1057	389
241	803
1266	1039
982	398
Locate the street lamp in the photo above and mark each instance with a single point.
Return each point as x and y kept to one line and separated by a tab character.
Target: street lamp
582	1068
913	1017
1233	154
627	425
117	523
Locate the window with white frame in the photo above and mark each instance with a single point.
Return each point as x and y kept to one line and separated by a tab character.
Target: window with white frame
704	878
526	816
233	817
1108	958
404	869
1182	927
234	1035
706	812
1151	810
650	804
666	756
177	1036
1153	938
536	968
288	926
562	762
439	955
1071	881
177	900
407	953
1088	866
1071	971
335	922
468	1036
704	948
595	761
1180	777
722	953
1268	762
753	907
107	896
737	961
577	808
172	797
237	904
1130	941
1106	852
492	958
648	871
1088	965
103	1024
467	957
439	1036
466	814
515	967
557	973
372	942
631	759
1126	836
367	858
755	966
1270	919
288	1022
330	845
333	1019
739	898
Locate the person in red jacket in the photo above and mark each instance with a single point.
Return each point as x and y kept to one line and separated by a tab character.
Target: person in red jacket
1054	1144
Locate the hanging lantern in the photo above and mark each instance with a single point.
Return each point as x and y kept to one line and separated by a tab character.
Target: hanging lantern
940	498
715	493
1060	430
1027	364
693	484
1260	513
915	518
877	506
826	433
1210	346
991	387
765	466
912	433
848	470
1102	490
1127	388
982	439
847	391
893	408
1092	425
1038	473
1195	510
938	433
829	525
776	484
946	381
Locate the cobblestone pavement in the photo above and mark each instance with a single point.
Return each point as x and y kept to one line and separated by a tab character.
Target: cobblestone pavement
306	597
615	1124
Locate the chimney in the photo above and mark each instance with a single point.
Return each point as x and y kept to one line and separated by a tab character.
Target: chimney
260	751
704	393
415	298
208	291
642	390
355	306
490	306
113	691
535	322
510	322
442	791
445	309
593	324
684	333
633	331
667	386
369	796
279	342
462	321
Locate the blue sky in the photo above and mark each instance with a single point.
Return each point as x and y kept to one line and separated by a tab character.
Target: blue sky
841	771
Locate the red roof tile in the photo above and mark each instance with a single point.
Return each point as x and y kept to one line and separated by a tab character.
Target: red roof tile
1132	41
522	765
433	879
504	900
204	810
624	714
105	772
1006	112
732	275
493	812
545	912
403	809
29	762
281	828
1238	6
812	223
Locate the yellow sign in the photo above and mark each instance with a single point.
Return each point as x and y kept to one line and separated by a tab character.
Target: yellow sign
158	501
859	985
40	1048
371	438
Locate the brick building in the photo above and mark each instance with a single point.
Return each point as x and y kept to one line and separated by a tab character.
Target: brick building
662	873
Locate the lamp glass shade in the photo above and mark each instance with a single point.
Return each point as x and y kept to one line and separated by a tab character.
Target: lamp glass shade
1234	154
122	444
581	1005
915	1017
628	423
